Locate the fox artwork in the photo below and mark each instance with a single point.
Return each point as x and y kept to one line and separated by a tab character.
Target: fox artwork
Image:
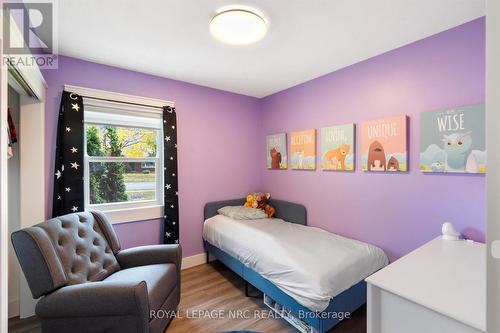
303	149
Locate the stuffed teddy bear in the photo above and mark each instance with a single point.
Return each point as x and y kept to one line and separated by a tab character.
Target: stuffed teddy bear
259	200
250	202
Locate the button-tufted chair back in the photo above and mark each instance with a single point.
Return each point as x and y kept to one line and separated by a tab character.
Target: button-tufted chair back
70	249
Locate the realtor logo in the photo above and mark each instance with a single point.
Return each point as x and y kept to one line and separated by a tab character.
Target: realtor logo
29	34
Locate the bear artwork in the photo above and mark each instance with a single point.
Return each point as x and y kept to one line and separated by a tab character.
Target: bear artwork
275	158
376	157
384	145
393	164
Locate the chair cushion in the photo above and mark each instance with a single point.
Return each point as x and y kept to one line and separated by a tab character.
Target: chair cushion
160	279
81	246
67	250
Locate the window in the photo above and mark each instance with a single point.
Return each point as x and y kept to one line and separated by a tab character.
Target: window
123	156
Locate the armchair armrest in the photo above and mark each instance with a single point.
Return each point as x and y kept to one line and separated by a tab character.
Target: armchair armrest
96	299
150	255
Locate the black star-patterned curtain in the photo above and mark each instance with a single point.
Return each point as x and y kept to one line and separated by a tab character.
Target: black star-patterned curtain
68	177
171	203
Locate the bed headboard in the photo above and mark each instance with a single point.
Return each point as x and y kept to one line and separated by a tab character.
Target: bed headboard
288	211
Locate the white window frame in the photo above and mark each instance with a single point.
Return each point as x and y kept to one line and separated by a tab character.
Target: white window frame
132	106
121	212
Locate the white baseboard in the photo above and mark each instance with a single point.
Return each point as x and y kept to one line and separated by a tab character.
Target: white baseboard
197	259
13	308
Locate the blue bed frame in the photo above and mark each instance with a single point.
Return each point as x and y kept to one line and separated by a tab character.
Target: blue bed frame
348	301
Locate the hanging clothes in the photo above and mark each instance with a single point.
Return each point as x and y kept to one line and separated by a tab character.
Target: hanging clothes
10	153
12	127
11	134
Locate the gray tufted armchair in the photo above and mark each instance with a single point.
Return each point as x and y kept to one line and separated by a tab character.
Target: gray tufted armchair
89	285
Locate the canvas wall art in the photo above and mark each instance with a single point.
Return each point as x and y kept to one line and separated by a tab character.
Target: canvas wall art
276	155
337	147
384	145
453	140
303	149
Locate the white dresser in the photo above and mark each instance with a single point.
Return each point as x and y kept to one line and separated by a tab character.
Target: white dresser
438	288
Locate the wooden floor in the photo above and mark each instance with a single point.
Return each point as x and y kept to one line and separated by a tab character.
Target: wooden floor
214	289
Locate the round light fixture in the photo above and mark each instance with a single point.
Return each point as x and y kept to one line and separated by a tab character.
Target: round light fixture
238	27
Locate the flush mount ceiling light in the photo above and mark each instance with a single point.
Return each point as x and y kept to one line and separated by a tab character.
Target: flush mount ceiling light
238	27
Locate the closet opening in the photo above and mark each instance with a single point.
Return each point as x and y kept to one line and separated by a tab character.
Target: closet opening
26	175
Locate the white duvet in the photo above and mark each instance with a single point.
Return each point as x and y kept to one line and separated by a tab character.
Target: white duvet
309	264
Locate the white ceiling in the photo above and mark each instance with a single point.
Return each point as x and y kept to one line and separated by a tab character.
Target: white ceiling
306	38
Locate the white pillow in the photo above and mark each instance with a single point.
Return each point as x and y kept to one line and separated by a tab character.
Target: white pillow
242	213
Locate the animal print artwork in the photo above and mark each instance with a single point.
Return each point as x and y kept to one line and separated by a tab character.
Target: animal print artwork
303	149
393	164
276	156
453	140
384	145
337	148
376	157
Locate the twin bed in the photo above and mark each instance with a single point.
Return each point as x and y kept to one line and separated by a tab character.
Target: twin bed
311	277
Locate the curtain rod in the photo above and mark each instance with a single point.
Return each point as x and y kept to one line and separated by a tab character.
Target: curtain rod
115	97
123	102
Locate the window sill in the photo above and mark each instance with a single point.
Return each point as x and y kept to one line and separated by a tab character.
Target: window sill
127	215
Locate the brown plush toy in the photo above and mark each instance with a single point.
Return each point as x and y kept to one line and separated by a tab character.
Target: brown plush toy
260	201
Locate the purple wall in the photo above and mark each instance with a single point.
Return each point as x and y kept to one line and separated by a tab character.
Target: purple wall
216	137
220	135
398	212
